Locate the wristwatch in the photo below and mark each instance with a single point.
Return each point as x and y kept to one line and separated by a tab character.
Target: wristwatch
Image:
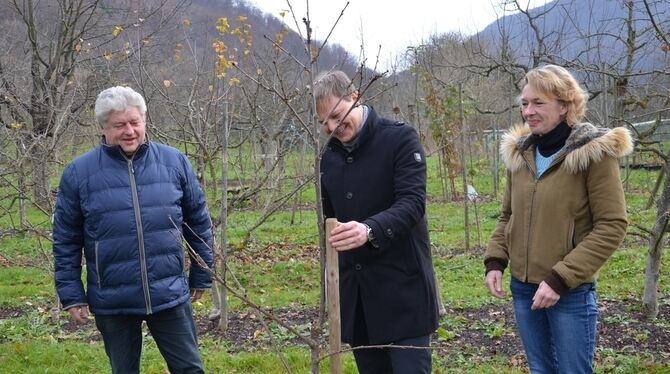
371	236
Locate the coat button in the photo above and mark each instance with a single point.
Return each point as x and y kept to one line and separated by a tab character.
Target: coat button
358	267
349	195
350	160
389	232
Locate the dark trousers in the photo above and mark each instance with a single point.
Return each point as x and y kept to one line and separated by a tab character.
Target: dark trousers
172	329
390	360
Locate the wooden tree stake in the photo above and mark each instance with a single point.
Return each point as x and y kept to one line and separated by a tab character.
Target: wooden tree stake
333	299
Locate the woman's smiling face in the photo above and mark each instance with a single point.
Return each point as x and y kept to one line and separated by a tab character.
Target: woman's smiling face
541	112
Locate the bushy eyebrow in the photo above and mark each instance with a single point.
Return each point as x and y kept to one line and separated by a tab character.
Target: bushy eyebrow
335	113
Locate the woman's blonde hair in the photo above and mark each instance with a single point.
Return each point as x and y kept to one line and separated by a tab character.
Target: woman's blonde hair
557	82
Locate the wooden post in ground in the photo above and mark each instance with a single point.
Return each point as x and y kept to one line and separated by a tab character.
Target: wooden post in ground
333	300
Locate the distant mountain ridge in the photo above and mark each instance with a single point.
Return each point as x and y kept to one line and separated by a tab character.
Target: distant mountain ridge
584	32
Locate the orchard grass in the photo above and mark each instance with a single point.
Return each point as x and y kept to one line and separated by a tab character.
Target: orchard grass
277	265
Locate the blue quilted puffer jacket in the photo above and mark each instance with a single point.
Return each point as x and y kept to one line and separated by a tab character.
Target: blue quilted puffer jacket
130	216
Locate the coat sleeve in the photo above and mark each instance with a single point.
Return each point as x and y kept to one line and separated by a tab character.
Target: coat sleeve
197	228
328	211
497	253
409	180
68	241
608	209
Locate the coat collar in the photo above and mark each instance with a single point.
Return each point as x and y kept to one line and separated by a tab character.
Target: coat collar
115	151
365	133
586	143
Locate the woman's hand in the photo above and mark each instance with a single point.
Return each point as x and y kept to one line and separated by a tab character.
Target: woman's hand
494	283
545	297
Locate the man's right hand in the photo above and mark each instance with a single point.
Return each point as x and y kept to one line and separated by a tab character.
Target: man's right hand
79	314
494	283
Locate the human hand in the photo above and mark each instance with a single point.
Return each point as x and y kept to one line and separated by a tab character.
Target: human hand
348	235
494	283
196	294
79	313
545	297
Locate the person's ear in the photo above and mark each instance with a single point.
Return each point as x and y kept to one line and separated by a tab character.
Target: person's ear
355	95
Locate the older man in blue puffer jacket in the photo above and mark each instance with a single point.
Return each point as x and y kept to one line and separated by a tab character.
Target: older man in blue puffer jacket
129	203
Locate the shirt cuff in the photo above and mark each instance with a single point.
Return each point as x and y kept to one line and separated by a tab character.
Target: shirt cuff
556	283
493	263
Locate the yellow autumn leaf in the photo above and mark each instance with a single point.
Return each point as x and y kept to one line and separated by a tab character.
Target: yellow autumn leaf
241	19
222	24
259	72
167	83
234	82
117	30
219	46
186	22
108	55
223	62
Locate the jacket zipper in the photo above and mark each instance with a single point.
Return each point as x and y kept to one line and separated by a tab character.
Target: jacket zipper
530	226
97	264
140	236
530	215
536	179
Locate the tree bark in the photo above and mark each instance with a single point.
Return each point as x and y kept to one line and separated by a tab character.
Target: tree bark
650	296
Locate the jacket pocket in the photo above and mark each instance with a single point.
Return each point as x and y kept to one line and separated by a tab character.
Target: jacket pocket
508	232
97	264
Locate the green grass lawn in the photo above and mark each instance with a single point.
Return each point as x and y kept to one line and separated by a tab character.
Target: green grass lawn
278	268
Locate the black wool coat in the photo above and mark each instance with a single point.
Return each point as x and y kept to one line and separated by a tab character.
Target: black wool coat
382	182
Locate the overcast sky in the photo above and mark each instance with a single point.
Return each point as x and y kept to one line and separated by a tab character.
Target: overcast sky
393	24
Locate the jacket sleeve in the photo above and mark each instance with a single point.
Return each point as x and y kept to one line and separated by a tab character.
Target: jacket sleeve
409	181
328	211
608	209
68	241
497	253
197	227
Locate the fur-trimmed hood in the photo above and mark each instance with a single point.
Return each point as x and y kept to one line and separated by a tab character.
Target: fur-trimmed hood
586	143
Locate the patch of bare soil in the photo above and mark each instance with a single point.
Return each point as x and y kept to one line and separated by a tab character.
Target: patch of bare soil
484	331
488	331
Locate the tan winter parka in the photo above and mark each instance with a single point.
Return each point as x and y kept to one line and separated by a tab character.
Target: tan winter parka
561	227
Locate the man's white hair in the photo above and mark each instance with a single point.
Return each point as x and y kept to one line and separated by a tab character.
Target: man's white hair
117	98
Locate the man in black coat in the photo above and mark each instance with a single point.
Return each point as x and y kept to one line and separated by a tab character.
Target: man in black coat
374	183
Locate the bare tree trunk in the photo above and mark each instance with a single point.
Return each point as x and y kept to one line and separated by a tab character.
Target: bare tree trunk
222	292
496	158
654	191
441	168
23	221
41	187
650	296
464	174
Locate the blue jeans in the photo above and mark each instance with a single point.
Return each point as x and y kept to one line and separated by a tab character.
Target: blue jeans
172	329
559	339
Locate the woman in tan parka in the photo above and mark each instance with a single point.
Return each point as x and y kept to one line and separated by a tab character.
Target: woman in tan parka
563	214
